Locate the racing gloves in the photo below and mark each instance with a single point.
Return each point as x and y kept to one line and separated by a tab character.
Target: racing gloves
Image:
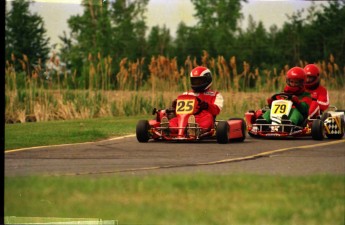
295	100
173	104
298	105
202	104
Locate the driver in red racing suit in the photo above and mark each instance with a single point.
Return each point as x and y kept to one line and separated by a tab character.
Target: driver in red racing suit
318	92
210	102
295	80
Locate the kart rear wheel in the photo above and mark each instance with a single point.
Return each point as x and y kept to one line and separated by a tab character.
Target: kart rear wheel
222	132
317	130
342	131
142	131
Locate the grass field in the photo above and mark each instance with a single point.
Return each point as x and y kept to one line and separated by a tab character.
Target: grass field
181	199
22	135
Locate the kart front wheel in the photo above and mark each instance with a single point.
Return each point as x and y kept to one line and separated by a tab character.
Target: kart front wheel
317	130
142	131
222	132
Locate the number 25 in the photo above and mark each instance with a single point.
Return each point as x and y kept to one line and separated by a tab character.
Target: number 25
184	106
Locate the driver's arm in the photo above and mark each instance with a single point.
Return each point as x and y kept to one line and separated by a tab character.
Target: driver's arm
215	107
323	99
303	106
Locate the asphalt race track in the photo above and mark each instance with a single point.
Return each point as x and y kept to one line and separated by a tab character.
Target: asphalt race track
302	156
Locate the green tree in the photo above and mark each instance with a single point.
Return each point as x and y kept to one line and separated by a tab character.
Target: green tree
25	34
217	24
105	28
186	43
253	45
329	31
159	41
90	35
129	28
312	38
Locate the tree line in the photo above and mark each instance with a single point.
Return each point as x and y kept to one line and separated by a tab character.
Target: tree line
118	29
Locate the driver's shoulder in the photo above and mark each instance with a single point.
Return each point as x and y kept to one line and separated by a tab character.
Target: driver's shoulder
211	93
322	89
189	93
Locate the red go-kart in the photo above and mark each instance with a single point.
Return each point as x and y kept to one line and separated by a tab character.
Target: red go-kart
187	130
280	126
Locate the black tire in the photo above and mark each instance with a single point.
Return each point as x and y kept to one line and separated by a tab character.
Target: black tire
338	136
243	128
325	116
142	131
317	130
340	110
222	132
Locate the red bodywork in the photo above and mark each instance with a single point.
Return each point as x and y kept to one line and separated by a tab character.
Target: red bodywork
256	129
236	128
187	105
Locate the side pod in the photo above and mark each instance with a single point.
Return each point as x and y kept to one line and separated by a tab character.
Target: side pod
237	130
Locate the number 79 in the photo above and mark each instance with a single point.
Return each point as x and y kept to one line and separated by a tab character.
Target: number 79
280	108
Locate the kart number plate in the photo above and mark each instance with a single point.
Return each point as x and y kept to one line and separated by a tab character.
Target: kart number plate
280	108
185	106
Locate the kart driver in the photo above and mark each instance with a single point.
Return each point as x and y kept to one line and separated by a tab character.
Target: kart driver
295	80
210	102
318	92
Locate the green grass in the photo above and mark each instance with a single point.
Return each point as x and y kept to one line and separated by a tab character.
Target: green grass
181	199
21	135
67	131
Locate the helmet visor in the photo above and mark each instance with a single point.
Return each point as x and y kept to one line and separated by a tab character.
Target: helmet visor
197	81
294	82
310	79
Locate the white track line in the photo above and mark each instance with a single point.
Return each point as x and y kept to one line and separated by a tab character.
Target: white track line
49	146
229	160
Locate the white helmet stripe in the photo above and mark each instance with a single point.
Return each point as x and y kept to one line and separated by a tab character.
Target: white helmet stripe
202	74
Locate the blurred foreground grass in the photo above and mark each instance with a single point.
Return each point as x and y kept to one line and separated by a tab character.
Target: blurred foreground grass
181	199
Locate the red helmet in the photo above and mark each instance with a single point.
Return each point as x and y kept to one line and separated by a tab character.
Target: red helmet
295	79
200	79
312	76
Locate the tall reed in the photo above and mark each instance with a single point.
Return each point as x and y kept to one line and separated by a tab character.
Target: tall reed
46	93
